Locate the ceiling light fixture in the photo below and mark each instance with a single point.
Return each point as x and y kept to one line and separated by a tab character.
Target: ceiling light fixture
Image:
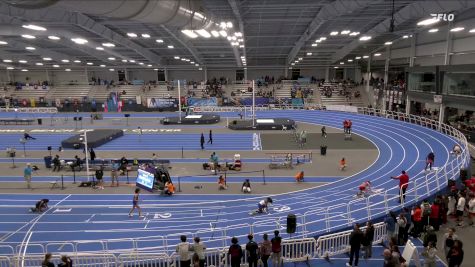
314	44
354	33
405	37
111	69
223	33
10	68
124	60
309	53
55	66
65	60
100	48
90	63
457	29
111	58
149	65
190	33
24	70
145	35
54	38
23	61
200	68
204	33
176	57
433	30
388	43
238	34
140	63
333	33
67	70
170	46
472	31
77	61
39	64
345	32
160	41
132	61
34	27
377	54
155	69
323	38
131	34
183	59
300	58
80	41
108	44
3	43
197	65
215	33
27	36
241	46
365	56
350	60
342	63
365	38
47	59
30	48
427	22
229	24
357	57
102	66
7	60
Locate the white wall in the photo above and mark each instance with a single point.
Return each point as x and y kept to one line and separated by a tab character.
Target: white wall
189	75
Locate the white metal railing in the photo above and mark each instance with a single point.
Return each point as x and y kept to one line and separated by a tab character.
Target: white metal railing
338	243
324	220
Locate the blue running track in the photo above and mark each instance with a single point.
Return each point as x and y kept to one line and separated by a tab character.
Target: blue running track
402	146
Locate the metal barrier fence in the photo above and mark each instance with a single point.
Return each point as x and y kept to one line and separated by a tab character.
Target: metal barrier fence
422	186
29	110
338	243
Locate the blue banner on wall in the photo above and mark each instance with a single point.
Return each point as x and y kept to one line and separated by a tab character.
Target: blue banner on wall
162	102
212	101
259	101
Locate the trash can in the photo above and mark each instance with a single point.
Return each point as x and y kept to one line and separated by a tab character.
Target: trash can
323	150
48	161
40	121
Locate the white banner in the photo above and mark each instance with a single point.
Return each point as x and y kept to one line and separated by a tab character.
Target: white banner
342	108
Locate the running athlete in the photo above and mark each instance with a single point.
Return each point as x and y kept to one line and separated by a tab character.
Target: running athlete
365	189
135	203
262	206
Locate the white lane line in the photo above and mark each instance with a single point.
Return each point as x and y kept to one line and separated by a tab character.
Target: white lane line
92	216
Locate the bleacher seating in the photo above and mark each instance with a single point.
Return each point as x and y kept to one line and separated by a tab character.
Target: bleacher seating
68	92
337	98
27	93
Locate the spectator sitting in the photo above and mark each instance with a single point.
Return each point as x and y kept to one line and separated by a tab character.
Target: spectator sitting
222	183
47	261
123	165
40	206
456	150
76	163
169	188
246	186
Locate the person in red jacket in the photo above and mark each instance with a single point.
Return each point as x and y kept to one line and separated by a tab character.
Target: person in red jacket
417	220
403	183
434	217
345	126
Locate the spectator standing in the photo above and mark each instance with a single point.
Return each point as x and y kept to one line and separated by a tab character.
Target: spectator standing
389	260
27	175
210	139
276	242
235	252
222	183
183	249
368	240
99	174
417	220
265	250
92	154
460	209
471	209
350	124
407	214
355	244
202	141
342	164
65	262
401	224
199	248
434	216
324	132
47	261
449	240
455	255
252	250
429	254
403	183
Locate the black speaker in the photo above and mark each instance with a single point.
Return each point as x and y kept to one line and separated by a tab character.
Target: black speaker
49	148
463	175
126	115
291	223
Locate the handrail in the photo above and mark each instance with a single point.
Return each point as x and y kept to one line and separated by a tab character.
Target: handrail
420	186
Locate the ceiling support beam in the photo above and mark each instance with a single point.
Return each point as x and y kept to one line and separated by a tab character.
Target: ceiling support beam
237	14
416	10
329	11
192	50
